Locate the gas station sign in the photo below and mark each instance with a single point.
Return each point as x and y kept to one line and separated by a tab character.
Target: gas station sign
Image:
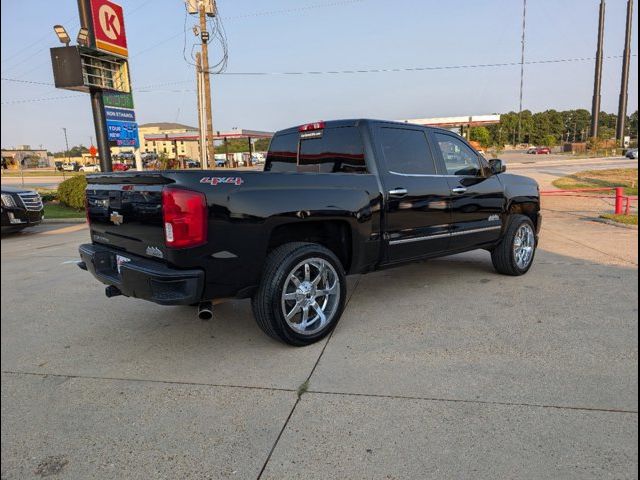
123	134
98	66
117	99
108	27
122	114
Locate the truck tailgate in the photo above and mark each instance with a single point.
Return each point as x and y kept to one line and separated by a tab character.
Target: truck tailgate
125	212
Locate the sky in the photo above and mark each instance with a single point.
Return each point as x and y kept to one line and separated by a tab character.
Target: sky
320	35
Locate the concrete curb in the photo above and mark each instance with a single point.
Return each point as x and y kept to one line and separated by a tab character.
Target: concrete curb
64	220
615	224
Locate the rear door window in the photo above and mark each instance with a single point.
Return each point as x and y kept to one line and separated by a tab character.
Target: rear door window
283	153
333	150
406	151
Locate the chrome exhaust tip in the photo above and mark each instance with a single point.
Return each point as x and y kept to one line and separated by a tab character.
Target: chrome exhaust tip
205	311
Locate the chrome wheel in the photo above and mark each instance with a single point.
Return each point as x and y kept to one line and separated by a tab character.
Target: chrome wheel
310	296
524	244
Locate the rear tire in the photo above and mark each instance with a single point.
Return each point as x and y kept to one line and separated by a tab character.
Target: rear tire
302	293
515	253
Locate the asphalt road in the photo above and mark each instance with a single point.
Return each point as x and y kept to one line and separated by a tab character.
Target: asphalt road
437	370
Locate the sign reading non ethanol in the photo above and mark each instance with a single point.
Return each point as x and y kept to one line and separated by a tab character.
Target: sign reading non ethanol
123	134
108	27
123	114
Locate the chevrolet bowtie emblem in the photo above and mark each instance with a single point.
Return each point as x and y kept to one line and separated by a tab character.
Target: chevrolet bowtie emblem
116	218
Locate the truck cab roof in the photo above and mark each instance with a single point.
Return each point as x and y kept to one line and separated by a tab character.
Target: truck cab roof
353	123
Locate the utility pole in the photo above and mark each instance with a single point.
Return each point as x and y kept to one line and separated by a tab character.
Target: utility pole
204	36
66	142
201	125
597	83
624	83
524	25
97	102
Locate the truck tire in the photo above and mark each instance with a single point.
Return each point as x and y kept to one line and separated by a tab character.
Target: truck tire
515	252
301	295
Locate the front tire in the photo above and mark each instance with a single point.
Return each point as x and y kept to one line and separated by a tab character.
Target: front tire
302	293
515	252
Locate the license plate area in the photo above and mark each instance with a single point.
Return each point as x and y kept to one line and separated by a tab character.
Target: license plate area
121	260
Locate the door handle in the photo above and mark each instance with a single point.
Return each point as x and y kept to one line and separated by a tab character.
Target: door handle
458	190
398	192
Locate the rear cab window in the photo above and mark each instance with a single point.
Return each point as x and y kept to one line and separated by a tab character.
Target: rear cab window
329	150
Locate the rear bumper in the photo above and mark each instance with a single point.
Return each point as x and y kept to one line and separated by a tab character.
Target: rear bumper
143	278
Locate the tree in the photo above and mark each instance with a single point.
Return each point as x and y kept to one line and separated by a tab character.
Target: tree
633	124
238	145
549	140
481	135
262	144
506	131
76	151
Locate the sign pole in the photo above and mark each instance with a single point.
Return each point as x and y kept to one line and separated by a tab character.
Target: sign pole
102	135
97	103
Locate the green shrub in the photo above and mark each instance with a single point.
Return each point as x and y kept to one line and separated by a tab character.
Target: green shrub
48	195
71	191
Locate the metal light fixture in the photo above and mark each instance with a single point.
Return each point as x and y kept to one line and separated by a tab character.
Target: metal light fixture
83	37
62	34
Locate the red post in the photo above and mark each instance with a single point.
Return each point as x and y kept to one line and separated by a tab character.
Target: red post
619	196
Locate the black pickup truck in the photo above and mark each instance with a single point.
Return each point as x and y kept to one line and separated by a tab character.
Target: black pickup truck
335	198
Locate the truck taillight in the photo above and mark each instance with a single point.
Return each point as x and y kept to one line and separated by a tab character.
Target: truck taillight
311	126
86	208
185	217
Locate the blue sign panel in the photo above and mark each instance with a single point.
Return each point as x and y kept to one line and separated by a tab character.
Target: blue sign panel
123	134
122	114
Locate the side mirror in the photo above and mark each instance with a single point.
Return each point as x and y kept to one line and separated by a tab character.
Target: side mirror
497	166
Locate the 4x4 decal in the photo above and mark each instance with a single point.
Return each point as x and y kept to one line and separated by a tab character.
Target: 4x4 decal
219	180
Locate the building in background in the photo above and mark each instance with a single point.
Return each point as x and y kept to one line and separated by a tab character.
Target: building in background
166	138
25	157
163	142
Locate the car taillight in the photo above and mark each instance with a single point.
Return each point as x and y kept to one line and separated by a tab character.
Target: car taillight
311	126
185	218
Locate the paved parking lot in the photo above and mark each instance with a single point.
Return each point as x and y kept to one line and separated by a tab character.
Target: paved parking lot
441	369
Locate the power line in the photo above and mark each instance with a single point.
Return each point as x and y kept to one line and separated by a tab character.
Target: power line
344	72
44	99
31	82
252	15
73	21
293	10
27	47
423	69
64	97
